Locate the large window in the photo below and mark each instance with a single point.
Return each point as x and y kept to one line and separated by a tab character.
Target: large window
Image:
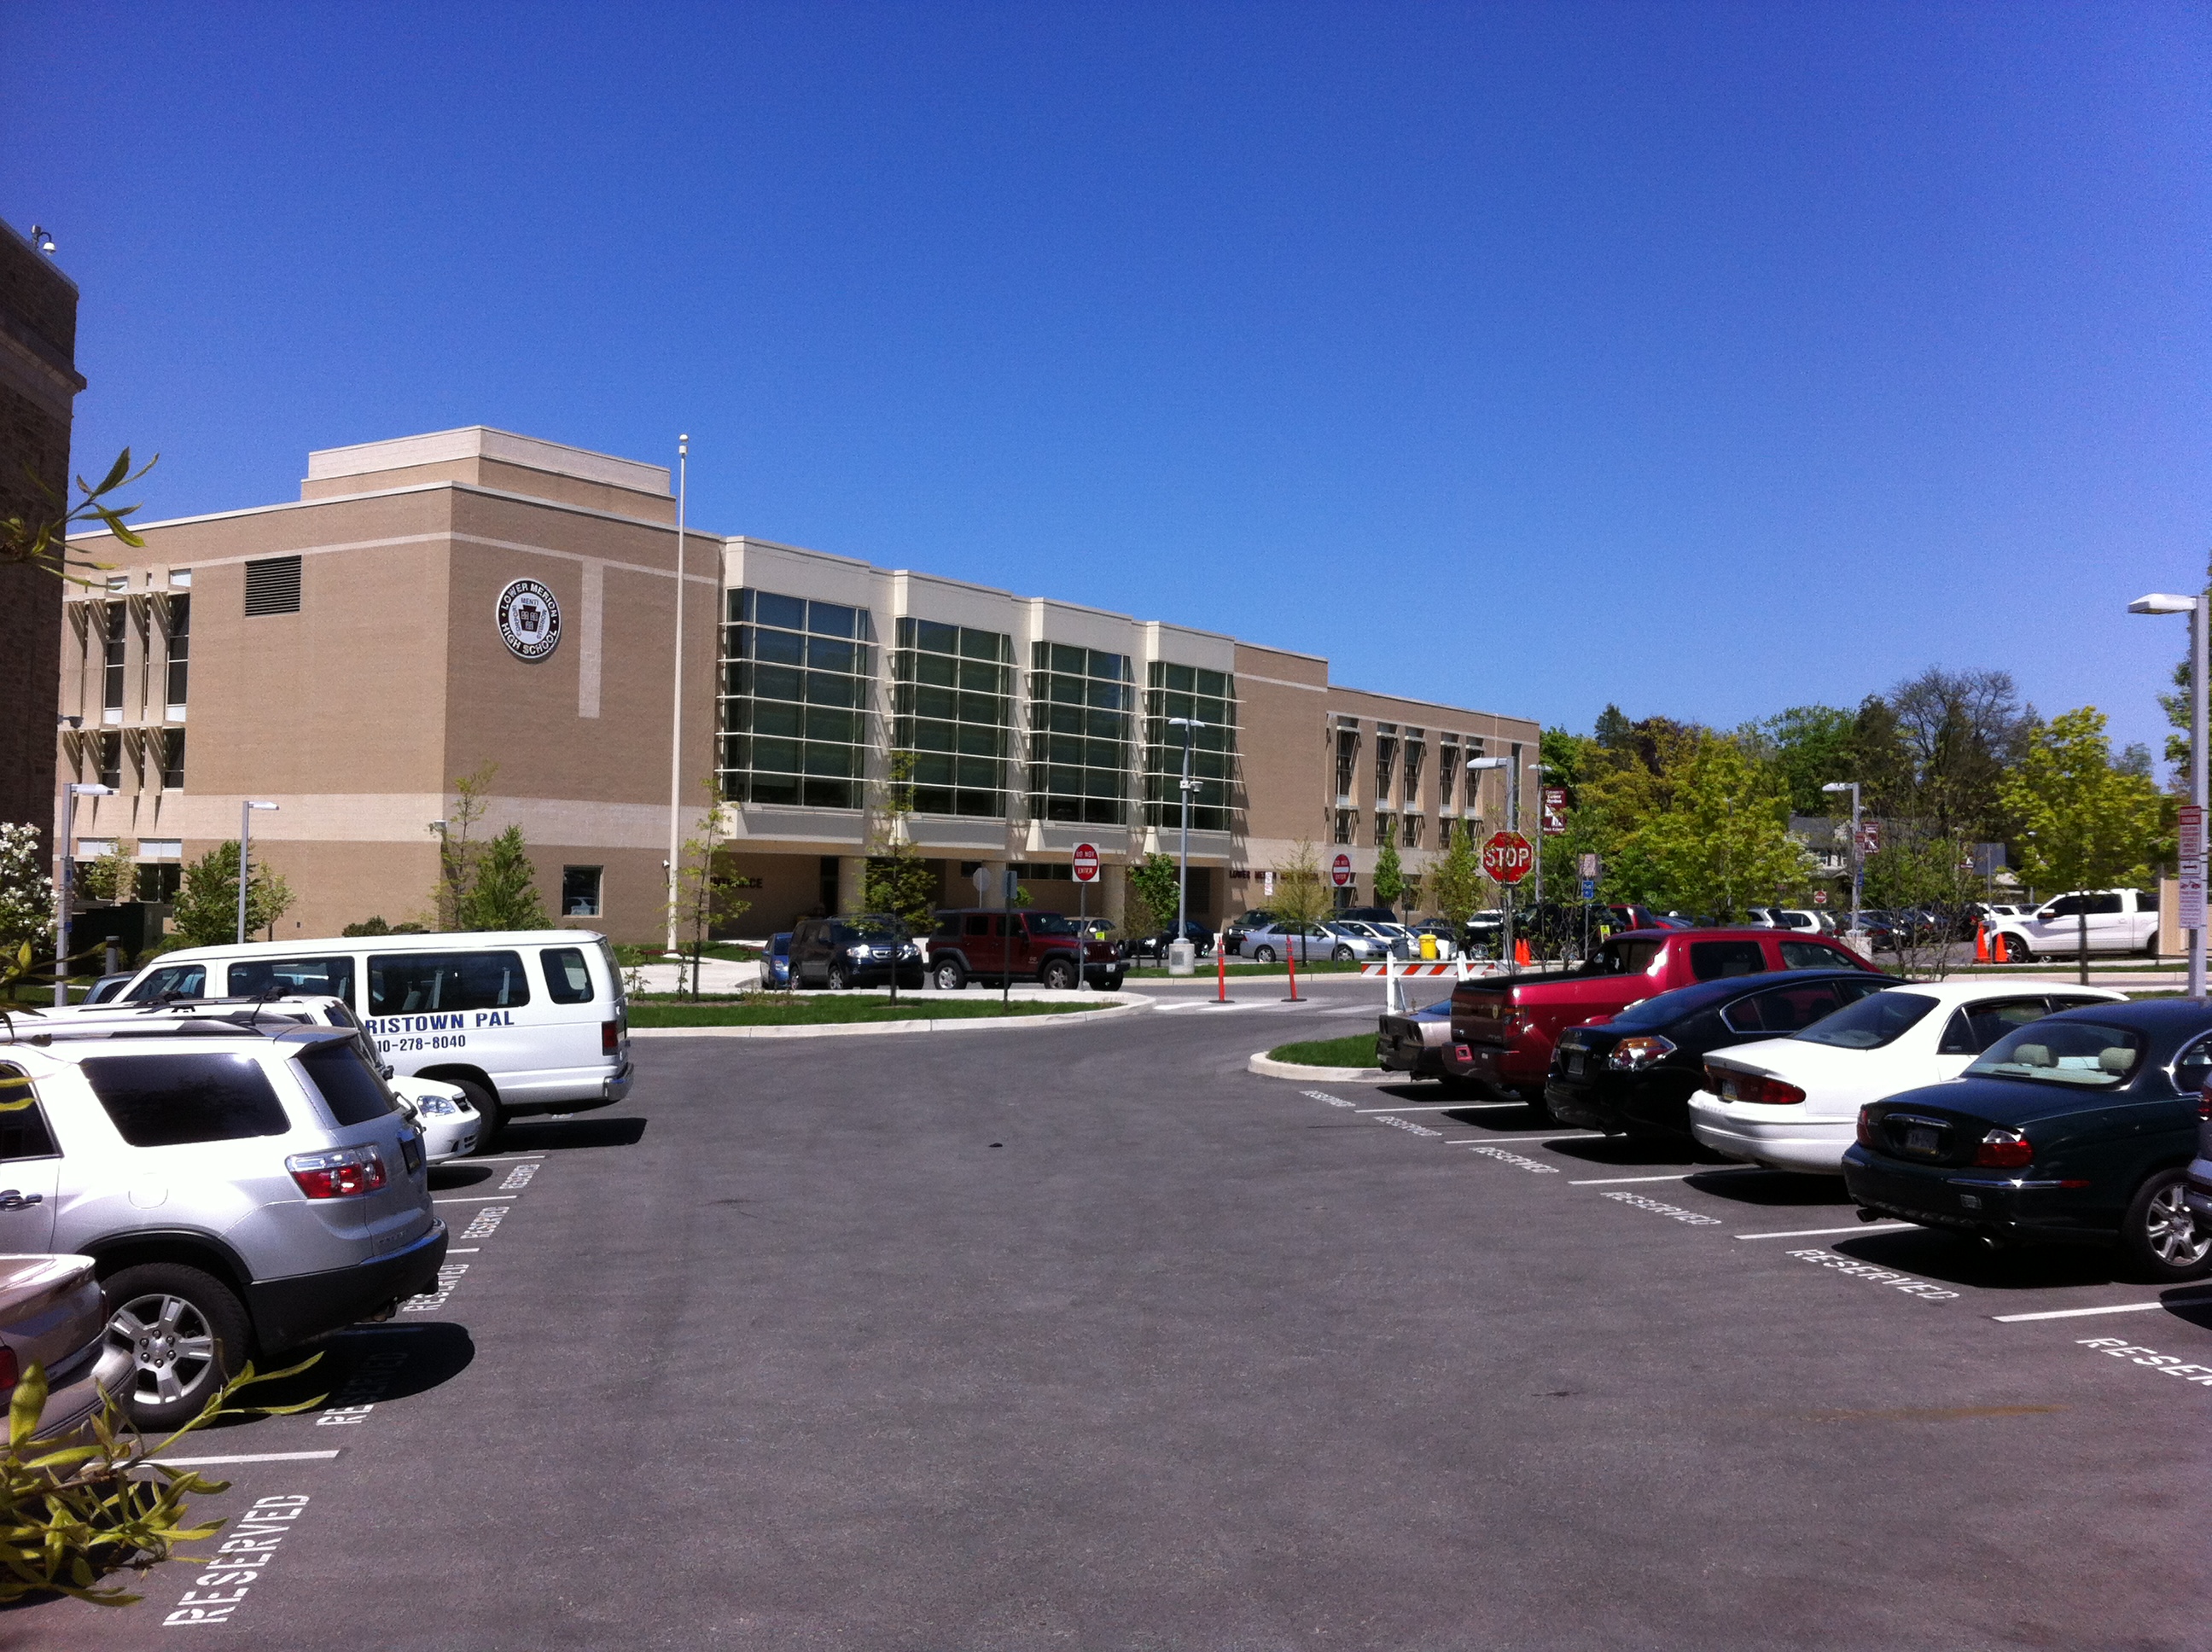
1209	698
418	983
1082	707
112	634
1414	752
797	682
173	759
1348	754
180	646
953	711
1385	761
1447	762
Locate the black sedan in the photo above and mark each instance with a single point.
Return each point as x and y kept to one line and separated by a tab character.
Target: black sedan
2076	1128
1634	1075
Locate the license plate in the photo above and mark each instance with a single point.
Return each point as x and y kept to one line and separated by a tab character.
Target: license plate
1574	1062
1921	1139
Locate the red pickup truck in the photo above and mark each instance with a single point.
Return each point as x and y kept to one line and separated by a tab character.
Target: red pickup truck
1503	1027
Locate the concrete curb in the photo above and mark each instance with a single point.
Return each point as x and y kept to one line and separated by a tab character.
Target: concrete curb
1267	1069
862	1029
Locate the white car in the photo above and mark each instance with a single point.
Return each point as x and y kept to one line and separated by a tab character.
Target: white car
2110	920
1792	1104
441	1112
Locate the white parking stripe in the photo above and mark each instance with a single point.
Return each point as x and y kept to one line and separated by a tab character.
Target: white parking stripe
1608	1181
463	1250
245	1457
477	1198
2084	1313
1418	1106
1814	1233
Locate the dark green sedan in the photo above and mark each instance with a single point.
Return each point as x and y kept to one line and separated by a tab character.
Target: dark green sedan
2076	1128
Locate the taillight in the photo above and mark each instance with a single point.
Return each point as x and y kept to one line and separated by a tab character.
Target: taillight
1735	1084
2204	1103
1866	1129
610	1037
1634	1055
9	1375
338	1174
2005	1149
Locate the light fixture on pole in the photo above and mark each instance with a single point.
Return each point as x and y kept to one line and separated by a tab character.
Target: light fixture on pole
675	714
1182	873
245	858
1858	862
65	895
1477	765
2192	869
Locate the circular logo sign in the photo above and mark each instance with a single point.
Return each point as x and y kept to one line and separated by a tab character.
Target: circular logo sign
1085	860
529	620
1339	871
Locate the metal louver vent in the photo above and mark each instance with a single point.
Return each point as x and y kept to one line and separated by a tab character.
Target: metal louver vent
272	586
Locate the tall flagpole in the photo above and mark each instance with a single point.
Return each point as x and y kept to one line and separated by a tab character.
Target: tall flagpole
676	715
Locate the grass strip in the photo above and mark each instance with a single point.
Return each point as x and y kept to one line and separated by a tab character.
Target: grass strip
1358	1050
773	1010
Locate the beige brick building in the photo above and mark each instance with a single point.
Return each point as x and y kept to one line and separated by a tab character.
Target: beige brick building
435	604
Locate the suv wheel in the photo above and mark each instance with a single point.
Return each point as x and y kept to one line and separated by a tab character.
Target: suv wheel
2017	950
1058	976
950	974
1113	981
1263	955
492	1115
838	980
185	1334
2161	1237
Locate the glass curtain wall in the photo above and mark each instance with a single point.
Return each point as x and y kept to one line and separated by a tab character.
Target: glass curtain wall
798	681
953	710
1211	698
1082	708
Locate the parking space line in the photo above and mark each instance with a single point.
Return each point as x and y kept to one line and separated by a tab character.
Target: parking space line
1608	1181
1538	1135
476	1199
244	1457
1816	1233
1422	1106
2084	1313
463	1250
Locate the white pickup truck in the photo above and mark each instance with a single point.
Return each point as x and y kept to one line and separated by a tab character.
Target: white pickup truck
2112	920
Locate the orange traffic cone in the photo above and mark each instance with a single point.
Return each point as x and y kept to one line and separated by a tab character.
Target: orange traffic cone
1521	952
1981	943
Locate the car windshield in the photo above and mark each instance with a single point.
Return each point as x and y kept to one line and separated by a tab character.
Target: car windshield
1050	923
877	932
1625	957
1879	1019
2084	1053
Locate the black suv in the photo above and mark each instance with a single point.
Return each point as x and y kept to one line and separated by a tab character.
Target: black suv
853	951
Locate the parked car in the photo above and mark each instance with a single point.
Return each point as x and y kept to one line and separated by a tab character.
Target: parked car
2076	1129
1233	933
988	945
1366	915
2109	919
1272	942
200	1166
1792	1104
1450	938
1389	940
109	987
1803	918
776	961
863	950
525	1021
52	1316
1413	1042
1504	1027
1154	947
1634	1073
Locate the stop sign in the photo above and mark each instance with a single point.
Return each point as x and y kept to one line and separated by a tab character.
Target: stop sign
1507	857
1085	862
1339	871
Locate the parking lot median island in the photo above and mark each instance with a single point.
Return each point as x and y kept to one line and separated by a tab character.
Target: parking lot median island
1340	1061
779	1010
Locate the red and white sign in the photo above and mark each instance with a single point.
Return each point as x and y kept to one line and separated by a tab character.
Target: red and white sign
1507	857
1869	837
1819	897
2189	820
1085	863
1555	810
1339	871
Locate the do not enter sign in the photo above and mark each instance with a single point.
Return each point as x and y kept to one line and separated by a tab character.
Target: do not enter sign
1507	857
1339	871
1085	862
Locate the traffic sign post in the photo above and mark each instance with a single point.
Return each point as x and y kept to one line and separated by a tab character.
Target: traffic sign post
1084	866
1339	871
2191	913
1507	857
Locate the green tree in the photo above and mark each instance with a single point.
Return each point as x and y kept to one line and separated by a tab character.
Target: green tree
1916	866
2087	824
206	911
896	879
707	891
110	880
1152	895
1302	894
1457	881
457	845
1810	745
1721	843
1390	873
1879	761
503	893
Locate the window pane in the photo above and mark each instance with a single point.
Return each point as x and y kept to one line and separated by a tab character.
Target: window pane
420	983
789	612
325	977
342	1078
567	979
167	1101
1714	960
173	980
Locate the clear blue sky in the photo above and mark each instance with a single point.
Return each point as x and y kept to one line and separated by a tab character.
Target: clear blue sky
1708	359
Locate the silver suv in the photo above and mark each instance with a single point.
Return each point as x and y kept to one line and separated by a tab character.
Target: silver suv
241	1191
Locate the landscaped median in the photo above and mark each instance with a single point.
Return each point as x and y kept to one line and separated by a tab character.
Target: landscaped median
789	1015
1334	1061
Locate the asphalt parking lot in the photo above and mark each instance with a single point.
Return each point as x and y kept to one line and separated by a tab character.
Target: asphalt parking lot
1083	1336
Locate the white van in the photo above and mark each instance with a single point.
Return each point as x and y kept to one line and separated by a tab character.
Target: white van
525	1021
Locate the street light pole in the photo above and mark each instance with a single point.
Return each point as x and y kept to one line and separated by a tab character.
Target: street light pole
1183	876
2158	602
65	895
1537	769
1858	862
245	858
675	714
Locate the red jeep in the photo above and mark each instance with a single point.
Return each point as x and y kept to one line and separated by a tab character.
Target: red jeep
1503	1027
985	945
